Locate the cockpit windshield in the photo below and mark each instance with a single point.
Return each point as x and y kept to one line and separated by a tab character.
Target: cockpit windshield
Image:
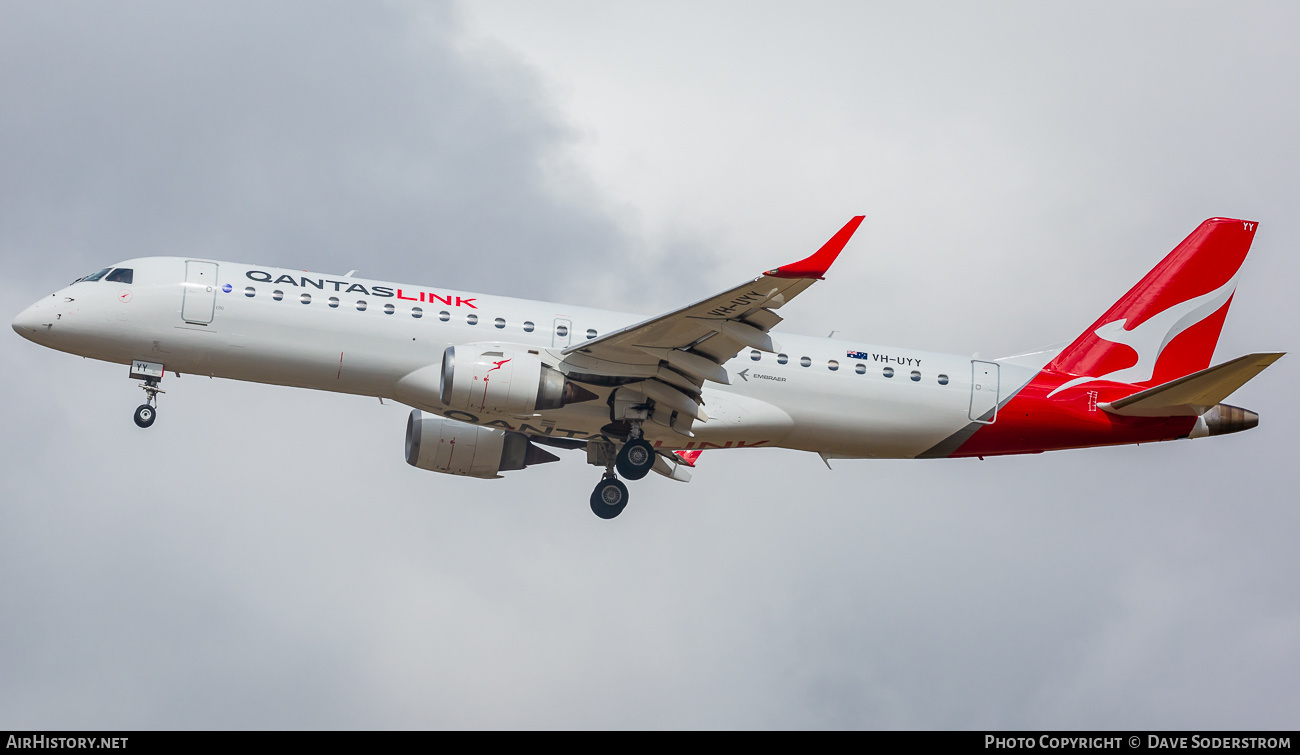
93	276
118	275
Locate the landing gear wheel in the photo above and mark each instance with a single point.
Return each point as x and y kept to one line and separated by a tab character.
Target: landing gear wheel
609	498
147	412
636	459
145	415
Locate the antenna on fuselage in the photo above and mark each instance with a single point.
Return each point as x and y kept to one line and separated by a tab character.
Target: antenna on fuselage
349	274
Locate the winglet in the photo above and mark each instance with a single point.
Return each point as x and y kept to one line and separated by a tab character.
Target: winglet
688	457
817	265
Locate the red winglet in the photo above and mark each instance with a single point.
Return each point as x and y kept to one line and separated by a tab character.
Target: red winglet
817	265
688	457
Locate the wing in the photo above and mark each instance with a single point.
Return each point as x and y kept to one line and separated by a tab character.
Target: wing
668	358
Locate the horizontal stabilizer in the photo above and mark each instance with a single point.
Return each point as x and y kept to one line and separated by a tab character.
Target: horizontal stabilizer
1194	394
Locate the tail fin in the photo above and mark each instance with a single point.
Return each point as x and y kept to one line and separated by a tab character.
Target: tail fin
1167	325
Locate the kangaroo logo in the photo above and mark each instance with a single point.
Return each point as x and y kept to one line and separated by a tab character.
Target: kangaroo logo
495	366
1151	337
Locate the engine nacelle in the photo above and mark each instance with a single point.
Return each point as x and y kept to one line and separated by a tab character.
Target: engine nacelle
494	379
444	445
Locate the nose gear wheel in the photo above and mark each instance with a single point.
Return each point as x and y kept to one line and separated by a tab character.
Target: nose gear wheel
147	412
145	415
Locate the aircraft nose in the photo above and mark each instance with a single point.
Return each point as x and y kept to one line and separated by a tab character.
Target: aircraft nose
27	321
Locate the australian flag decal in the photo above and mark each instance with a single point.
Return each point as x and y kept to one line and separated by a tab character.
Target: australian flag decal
859	355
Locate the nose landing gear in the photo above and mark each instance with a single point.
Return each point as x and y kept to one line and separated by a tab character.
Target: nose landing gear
145	415
147	412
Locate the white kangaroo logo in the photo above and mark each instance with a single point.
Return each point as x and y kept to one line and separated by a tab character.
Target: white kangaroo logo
1151	337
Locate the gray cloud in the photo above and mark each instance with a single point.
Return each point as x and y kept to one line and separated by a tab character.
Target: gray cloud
332	136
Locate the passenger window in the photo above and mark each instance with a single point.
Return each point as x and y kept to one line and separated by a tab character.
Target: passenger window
805	361
499	322
755	355
782	358
860	368
528	326
389	309
561	330
334	302
444	315
943	380
590	334
250	292
832	365
916	376
277	294
417	313
306	298
121	275
472	319
888	372
361	305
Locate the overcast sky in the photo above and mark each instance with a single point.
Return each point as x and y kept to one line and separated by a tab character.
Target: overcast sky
264	557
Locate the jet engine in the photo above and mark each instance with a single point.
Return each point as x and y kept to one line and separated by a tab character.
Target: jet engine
444	445
496	379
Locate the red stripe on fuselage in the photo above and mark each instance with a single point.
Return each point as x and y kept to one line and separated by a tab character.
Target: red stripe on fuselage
1032	423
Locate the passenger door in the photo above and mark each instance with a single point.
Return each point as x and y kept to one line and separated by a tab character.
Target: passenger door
200	292
984	392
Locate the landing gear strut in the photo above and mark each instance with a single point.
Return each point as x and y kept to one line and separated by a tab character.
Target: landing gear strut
633	461
147	412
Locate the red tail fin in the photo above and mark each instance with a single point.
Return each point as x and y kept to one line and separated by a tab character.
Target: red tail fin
1167	325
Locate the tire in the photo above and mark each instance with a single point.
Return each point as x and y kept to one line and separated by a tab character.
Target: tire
636	459
609	498
145	415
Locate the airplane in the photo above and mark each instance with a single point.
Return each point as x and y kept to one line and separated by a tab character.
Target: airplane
493	382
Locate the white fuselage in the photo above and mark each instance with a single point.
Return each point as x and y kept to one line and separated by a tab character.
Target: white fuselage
350	335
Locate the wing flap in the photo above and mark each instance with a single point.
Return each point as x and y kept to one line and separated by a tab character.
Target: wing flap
691	363
1194	394
674	398
744	334
673	469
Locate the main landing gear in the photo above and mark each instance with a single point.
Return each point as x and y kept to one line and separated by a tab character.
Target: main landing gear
147	412
636	459
609	498
633	461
